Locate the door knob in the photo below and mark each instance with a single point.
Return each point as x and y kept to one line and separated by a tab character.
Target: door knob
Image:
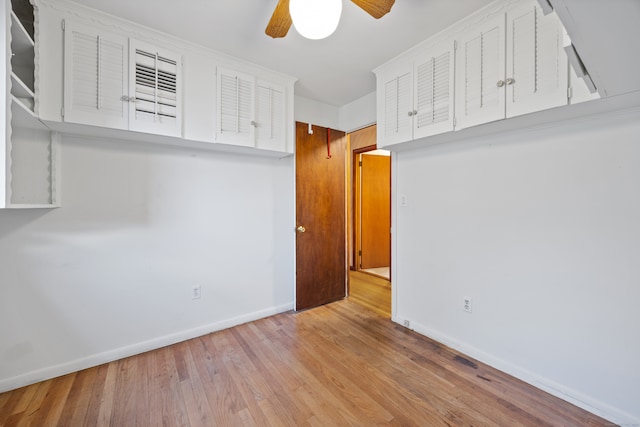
301	229
500	83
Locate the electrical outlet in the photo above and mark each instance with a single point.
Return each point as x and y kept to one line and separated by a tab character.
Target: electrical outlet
196	292
466	304
406	324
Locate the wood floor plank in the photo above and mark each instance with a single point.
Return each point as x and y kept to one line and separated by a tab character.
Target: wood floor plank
105	412
194	392
265	385
335	365
53	405
95	395
77	403
222	393
15	402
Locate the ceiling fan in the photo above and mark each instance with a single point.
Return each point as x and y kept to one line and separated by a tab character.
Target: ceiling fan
281	19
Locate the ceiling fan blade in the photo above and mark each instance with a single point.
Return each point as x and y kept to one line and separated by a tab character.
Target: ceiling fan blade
280	21
375	8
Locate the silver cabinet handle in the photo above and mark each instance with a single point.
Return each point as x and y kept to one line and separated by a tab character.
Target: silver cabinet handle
410	113
500	83
510	81
301	229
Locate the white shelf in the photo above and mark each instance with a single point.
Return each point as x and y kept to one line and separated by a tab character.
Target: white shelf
127	135
21	41
38	206
19	89
28	174
22	116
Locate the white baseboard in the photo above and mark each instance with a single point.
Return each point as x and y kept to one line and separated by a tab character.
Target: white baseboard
558	390
122	352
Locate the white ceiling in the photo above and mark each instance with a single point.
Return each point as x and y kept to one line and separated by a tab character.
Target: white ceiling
335	71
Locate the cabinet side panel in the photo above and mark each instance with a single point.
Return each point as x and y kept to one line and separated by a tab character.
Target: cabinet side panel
48	83
31	167
5	130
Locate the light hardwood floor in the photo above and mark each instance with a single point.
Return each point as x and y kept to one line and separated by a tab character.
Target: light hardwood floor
370	291
336	365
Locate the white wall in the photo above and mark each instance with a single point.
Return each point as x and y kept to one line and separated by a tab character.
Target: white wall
348	118
110	273
317	113
358	114
542	230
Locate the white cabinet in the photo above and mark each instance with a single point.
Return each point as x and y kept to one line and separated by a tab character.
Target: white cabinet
433	92
395	103
271	132
537	67
251	112
114	82
108	77
235	105
28	153
95	77
510	64
480	63
415	98
154	89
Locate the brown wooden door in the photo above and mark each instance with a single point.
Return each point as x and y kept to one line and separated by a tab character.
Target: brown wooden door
375	211
321	261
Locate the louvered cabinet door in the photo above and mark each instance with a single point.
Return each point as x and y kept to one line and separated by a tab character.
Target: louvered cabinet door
270	121
480	74
235	122
155	84
537	69
397	107
434	76
95	77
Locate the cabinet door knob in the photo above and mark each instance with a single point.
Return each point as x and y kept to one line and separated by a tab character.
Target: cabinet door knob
510	81
253	123
410	113
500	83
300	229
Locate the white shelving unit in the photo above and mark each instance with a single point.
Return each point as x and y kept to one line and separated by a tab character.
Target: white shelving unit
29	154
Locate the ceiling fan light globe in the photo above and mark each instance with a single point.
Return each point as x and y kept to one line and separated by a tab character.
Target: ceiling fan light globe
315	19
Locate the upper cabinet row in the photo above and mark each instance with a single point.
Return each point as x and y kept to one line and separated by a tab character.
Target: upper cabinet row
506	60
117	75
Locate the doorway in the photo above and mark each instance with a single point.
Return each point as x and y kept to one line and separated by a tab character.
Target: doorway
369	208
325	215
373	213
368	223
